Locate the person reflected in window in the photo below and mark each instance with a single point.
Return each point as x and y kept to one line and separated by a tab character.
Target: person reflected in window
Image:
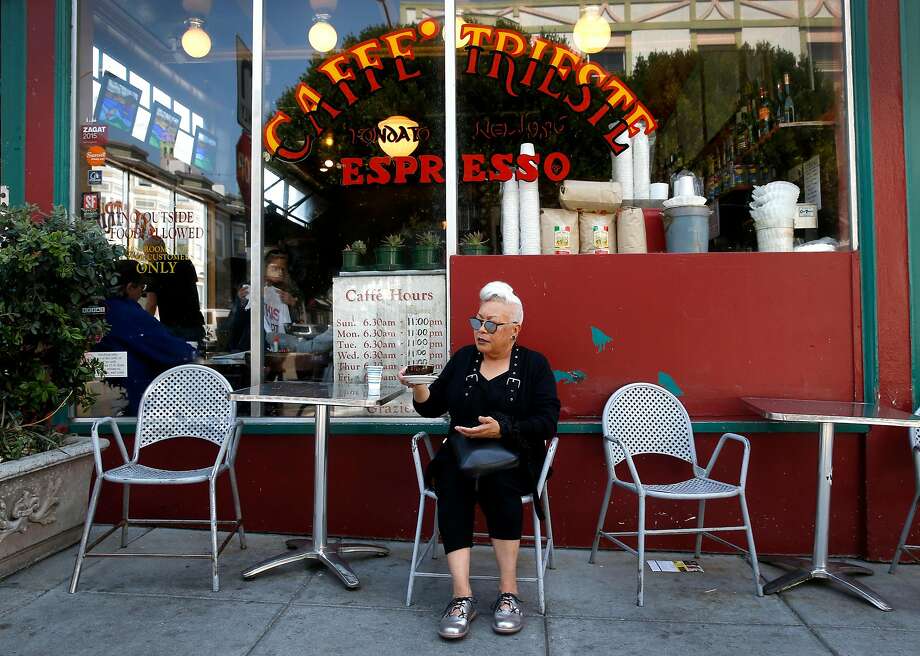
172	290
240	328
494	389
151	348
277	299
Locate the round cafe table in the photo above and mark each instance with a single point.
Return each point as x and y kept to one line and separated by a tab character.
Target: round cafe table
826	414
320	395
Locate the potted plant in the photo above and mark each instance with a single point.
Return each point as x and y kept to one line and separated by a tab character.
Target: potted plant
474	243
352	254
426	254
389	255
55	271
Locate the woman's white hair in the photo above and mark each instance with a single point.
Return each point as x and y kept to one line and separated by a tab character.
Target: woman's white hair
502	291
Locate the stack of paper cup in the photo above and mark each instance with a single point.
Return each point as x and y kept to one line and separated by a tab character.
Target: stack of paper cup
623	166
374	378
658	191
641	164
683	186
511	225
529	210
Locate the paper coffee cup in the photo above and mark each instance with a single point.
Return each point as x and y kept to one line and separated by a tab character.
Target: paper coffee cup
658	191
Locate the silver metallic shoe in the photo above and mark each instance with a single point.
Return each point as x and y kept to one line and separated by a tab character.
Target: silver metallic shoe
507	616
457	617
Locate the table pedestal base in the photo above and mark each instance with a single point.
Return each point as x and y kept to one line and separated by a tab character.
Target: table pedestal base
328	555
803	570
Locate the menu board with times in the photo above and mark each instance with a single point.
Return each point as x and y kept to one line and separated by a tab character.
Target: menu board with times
388	320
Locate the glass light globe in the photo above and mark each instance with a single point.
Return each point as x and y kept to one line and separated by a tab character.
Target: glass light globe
322	36
592	32
397	138
196	42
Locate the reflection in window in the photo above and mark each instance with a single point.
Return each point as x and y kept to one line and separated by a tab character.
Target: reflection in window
341	221
744	95
174	189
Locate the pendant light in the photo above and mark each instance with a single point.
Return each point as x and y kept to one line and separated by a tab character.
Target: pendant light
322	35
195	42
398	136
592	32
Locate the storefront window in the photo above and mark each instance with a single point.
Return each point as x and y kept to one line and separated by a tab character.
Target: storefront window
624	128
349	247
162	162
600	109
354	211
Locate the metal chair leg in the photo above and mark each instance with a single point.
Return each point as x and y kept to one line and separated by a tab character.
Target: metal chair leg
435	534
600	520
550	545
640	594
538	557
125	503
239	509
87	527
699	524
212	498
418	537
908	523
752	550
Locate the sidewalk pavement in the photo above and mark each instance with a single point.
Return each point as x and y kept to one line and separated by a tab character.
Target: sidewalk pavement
161	607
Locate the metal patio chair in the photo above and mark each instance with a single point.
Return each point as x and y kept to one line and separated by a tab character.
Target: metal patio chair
189	401
543	545
642	418
914	437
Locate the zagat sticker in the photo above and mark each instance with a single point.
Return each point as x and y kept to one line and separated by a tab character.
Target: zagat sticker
94	134
95	156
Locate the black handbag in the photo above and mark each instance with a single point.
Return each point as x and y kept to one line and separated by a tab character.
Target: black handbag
481	456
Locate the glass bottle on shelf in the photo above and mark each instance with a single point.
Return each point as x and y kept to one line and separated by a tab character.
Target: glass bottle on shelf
788	104
763	115
740	133
778	105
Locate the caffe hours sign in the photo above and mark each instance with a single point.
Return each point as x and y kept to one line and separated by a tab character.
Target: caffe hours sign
387	320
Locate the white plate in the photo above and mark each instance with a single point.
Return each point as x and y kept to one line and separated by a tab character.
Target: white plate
420	379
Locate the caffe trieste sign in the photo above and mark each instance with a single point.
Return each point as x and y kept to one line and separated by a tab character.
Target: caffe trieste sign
506	56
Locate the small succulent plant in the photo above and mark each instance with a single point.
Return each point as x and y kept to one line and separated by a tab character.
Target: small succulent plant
475	238
357	246
430	239
394	241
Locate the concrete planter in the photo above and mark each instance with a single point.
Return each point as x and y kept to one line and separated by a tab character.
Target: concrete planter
43	502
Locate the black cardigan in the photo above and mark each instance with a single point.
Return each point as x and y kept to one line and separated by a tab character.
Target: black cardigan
527	417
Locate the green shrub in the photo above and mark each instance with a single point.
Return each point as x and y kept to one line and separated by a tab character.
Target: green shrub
51	268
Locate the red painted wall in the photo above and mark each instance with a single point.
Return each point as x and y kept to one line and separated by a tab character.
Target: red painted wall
889	471
39	152
373	490
722	326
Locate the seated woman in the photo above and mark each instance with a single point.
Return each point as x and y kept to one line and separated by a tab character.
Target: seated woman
494	390
151	348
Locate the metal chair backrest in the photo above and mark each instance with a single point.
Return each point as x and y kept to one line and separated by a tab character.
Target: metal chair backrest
647	419
185	401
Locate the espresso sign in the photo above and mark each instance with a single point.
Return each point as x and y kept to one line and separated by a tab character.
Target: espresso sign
387	320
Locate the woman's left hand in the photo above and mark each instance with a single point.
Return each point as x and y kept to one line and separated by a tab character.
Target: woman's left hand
488	428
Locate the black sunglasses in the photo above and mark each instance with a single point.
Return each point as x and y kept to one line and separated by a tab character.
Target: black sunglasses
491	326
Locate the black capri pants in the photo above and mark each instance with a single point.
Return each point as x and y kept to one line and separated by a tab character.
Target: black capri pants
499	496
